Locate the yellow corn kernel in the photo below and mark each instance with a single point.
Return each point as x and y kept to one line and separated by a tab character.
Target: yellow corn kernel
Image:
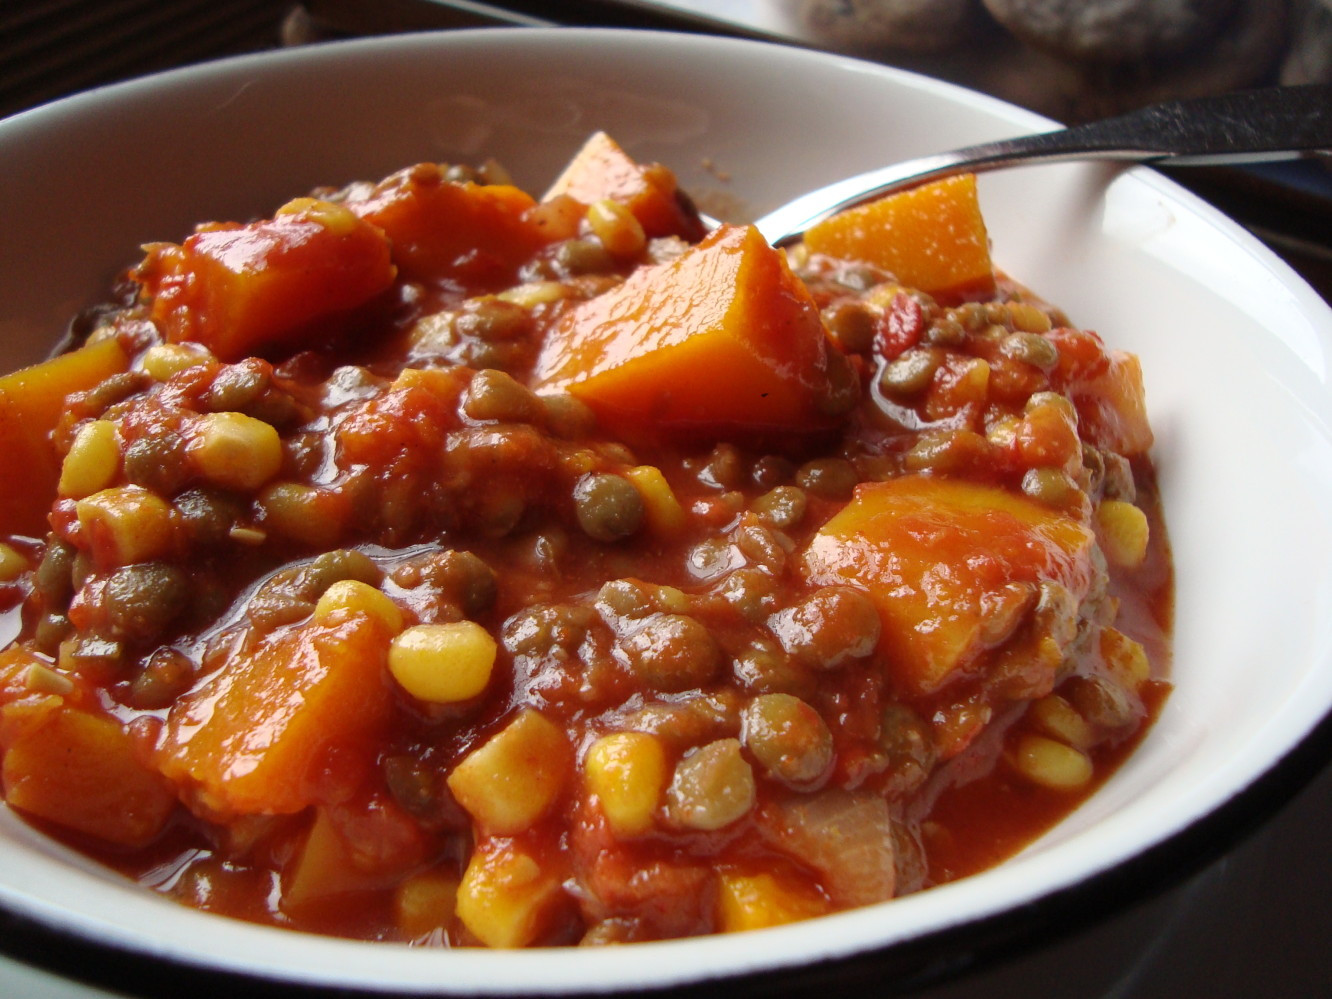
312	516
557	218
663	511
251	536
432	333
1003	432
163	360
1051	764
506	897
510	780
425	903
92	462
881	295
1123	531
1126	658
1056	717
338	219
443	663
534	293
671	600
235	451
973	381
751	902
438	381
627	772
617	227
12	563
1027	318
126	524
351	596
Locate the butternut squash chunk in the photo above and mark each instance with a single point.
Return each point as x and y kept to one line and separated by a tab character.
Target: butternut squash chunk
601	169
31	401
936	555
477	234
78	770
930	237
723	337
1112	407
251	740
253	289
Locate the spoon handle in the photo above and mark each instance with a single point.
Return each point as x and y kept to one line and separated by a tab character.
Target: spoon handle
1273	123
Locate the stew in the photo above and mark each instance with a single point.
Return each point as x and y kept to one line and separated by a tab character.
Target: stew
431	563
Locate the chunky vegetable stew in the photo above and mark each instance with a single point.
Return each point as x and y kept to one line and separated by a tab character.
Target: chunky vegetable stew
432	563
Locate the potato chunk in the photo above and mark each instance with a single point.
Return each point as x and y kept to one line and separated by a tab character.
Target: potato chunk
930	237
252	738
507	895
510	780
937	557
724	336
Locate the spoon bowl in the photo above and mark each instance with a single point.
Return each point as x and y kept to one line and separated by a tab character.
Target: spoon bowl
1253	126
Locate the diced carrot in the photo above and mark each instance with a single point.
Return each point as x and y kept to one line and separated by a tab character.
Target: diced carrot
601	169
31	402
79	770
252	289
722	337
445	230
936	556
252	739
930	237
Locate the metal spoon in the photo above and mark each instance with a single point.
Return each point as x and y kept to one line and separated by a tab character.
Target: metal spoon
1274	123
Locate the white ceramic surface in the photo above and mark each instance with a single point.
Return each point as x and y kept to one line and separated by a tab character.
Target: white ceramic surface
1235	350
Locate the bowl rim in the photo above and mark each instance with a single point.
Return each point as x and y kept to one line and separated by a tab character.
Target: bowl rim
38	938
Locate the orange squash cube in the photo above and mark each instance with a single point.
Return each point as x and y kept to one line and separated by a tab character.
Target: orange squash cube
251	739
439	229
1112	407
722	337
601	169
31	403
78	770
936	556
930	237
253	289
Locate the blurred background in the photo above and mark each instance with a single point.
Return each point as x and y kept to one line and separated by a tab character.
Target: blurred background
1068	59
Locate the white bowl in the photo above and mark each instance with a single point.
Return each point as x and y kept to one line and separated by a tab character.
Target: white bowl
1235	349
